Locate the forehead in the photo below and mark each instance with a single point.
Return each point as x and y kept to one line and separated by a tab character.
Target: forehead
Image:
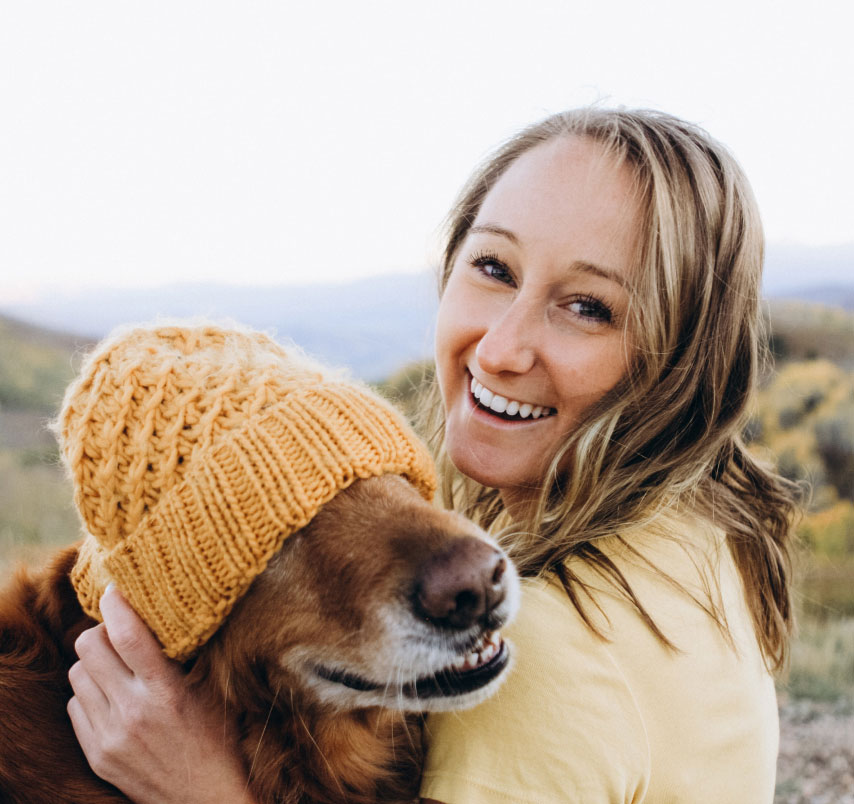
568	193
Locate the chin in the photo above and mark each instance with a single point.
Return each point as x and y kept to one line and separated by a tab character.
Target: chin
489	467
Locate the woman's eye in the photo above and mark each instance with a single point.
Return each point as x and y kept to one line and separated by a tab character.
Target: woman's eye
493	268
591	309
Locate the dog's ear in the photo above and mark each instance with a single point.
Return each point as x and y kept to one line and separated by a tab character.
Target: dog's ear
224	672
210	670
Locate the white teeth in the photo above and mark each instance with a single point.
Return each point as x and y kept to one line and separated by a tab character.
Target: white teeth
501	404
498	404
485	650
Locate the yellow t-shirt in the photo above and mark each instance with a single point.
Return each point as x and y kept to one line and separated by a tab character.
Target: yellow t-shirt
581	719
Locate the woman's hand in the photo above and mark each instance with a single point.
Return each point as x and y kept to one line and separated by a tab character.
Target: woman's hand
140	727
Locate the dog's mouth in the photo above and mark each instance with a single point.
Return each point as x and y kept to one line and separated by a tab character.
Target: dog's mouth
470	671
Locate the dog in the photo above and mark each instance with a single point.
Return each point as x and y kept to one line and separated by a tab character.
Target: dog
380	608
270	521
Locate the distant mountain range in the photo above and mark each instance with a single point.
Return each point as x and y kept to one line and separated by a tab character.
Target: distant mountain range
374	326
789	269
832	295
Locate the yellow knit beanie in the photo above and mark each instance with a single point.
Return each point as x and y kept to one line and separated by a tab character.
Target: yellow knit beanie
195	451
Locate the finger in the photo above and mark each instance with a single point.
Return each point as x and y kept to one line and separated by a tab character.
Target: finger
89	695
90	738
135	645
102	663
80	722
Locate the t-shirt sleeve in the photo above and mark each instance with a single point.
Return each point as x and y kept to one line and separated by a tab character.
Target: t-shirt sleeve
564	727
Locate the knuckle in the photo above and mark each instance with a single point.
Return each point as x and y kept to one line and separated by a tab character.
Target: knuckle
91	642
125	638
99	759
107	752
114	743
76	673
84	643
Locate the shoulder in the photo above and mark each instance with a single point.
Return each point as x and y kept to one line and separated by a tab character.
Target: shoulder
682	574
543	737
586	717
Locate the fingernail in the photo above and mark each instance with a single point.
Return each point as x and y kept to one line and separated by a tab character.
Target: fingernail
110	587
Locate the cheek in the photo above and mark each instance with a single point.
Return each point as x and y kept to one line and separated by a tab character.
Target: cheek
591	372
444	334
452	336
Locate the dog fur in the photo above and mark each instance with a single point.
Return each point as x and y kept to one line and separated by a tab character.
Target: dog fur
317	664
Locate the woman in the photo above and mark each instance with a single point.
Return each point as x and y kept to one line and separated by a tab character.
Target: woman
597	343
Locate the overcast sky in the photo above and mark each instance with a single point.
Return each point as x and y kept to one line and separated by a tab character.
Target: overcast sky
257	142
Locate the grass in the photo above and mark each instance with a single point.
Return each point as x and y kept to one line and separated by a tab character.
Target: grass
822	662
36	511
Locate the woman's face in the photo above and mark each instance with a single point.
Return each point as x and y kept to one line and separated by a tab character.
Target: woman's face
531	326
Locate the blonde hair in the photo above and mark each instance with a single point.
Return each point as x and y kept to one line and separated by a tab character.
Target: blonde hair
669	434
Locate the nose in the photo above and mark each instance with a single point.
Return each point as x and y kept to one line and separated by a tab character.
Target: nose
461	585
508	344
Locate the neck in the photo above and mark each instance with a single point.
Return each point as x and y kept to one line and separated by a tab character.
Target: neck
520	502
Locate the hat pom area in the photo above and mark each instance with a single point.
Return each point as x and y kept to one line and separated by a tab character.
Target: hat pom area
195	451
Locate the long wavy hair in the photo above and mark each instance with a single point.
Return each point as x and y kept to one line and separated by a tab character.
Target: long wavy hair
669	434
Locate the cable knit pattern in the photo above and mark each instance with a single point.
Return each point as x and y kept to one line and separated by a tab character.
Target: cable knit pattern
195	451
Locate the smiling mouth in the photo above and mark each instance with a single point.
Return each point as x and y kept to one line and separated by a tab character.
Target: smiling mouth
469	672
510	410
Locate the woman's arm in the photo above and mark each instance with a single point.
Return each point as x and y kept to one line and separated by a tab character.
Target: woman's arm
140	727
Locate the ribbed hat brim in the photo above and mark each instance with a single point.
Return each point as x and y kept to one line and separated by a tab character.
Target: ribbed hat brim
198	550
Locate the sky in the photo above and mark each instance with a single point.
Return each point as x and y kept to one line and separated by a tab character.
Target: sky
262	142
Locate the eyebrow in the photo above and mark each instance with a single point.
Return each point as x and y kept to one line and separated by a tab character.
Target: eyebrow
491	228
577	265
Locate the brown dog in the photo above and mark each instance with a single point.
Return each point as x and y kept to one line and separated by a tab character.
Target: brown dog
382	606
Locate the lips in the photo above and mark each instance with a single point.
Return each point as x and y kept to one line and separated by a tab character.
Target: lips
471	671
504	407
453	681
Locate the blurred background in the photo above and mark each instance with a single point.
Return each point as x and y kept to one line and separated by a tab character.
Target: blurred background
289	166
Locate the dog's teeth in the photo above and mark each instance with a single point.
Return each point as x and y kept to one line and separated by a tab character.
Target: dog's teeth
459	662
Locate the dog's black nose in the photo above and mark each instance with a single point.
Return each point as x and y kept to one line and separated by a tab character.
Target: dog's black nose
461	584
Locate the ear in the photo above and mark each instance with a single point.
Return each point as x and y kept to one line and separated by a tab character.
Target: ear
225	673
